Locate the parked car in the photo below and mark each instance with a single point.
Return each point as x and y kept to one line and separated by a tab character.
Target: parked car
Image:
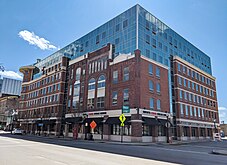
17	131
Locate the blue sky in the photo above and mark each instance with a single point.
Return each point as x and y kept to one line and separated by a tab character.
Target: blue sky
56	23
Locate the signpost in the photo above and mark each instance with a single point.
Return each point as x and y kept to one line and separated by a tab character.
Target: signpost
92	125
122	118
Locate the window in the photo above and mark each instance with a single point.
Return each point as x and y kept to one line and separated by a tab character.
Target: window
150	69
78	73
115	76
184	69
76	91
71	74
196	87
195	114
86	44
69	103
125	23
125	97
181	94
147	25
91	84
101	81
185	82
199	112
151	85
117	27
70	90
148	53
181	109
157	71
148	39
160	45
189	84
191	111
179	68
179	81
114	98
90	103
193	87
158	104
103	35
151	103
117	40
189	96
154	56
100	102
185	96
186	110
97	39
126	74
154	42
158	87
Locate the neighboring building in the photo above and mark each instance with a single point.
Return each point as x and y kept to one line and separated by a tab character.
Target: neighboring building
194	101
223	129
9	86
43	95
123	48
8	105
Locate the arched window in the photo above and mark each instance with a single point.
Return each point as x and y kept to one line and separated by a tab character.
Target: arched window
91	84
78	73
102	81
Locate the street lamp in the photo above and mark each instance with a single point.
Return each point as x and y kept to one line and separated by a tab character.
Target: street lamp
167	127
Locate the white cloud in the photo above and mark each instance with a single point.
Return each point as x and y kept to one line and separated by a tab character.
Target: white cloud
223	114
11	74
33	39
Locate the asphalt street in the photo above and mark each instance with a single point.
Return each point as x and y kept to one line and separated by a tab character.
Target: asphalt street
16	149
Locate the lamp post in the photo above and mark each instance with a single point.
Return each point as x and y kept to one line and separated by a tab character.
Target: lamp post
167	127
214	125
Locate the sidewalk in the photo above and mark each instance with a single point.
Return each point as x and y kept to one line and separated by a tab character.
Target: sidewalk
121	143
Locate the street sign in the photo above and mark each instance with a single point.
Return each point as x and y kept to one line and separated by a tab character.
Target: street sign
93	124
40	124
125	109
122	118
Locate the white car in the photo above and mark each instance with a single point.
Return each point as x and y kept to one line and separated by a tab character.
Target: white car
17	131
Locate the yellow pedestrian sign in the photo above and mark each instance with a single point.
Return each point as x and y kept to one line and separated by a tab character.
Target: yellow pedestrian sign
122	118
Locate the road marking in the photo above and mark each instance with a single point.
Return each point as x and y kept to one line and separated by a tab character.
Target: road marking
169	149
198	146
48	159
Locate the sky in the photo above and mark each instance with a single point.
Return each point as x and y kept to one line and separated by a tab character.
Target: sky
35	29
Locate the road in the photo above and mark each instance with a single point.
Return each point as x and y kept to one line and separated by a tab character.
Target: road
18	150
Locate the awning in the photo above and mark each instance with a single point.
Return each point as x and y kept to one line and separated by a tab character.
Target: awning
46	121
89	120
116	120
162	121
73	120
150	121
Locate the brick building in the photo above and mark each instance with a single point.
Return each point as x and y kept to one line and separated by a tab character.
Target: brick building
8	106
99	86
42	101
194	101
